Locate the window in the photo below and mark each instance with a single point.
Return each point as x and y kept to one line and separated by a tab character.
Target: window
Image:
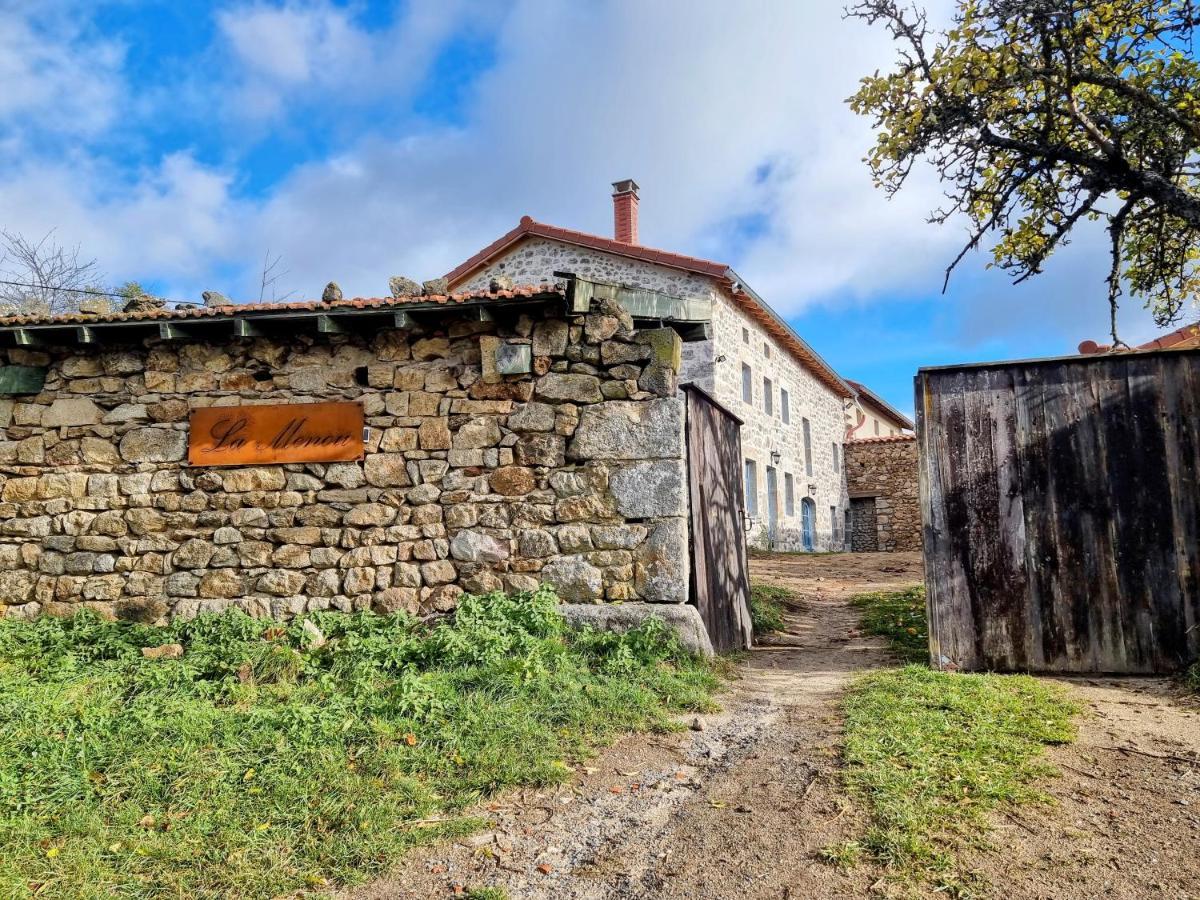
768	397
748	385
808	467
789	494
833	521
876	428
766	350
751	488
785	406
837	464
745	335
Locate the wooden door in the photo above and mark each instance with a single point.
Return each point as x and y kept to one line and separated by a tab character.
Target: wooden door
720	586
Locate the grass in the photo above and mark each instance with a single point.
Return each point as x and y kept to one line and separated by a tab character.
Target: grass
1191	678
766	607
258	764
930	754
898	616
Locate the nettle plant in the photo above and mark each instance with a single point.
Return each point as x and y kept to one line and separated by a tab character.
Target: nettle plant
1039	114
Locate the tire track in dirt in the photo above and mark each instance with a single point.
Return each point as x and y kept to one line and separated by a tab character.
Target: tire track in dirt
736	810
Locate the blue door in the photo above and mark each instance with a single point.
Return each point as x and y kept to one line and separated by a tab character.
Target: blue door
808	516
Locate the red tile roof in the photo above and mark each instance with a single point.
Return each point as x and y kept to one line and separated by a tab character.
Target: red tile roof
527	227
884	439
1181	339
752	305
203	312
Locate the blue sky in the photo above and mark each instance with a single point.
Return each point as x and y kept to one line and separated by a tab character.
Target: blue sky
180	142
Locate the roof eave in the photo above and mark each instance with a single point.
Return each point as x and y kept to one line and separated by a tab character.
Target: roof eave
835	381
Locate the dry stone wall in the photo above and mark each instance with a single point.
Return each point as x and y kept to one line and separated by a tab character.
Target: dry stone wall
885	471
573	474
716	366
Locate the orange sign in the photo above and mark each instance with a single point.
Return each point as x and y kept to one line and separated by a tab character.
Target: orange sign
281	433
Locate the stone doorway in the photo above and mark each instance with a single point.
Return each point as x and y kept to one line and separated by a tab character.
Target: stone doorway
864	529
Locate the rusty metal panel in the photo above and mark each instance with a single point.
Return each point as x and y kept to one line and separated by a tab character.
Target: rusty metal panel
1061	511
278	433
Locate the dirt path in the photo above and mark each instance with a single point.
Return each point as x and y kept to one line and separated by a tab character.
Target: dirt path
1126	822
737	810
742	808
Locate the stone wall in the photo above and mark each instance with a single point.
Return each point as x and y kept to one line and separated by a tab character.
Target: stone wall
885	469
741	340
738	339
573	474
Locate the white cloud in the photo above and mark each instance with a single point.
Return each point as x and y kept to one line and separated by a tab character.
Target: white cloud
307	51
173	221
735	126
56	75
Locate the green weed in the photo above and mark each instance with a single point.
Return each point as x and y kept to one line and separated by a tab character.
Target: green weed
486	893
898	616
1191	678
766	607
256	765
930	754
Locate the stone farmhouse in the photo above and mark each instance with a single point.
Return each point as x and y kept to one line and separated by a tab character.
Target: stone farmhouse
871	416
792	404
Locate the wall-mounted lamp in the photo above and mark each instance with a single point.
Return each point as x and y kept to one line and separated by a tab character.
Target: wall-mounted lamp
812	490
776	456
721	358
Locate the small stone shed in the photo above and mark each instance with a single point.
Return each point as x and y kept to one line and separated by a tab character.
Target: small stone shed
509	439
885	502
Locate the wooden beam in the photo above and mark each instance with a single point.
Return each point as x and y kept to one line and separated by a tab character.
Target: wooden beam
330	325
244	328
169	331
26	338
86	335
479	314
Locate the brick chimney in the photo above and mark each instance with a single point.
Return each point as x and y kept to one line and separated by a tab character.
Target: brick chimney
625	211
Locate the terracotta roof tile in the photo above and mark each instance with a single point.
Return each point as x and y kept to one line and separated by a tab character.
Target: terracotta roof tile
203	312
884	439
1181	339
527	227
755	308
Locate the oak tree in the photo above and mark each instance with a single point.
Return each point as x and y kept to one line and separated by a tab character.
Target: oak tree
1039	114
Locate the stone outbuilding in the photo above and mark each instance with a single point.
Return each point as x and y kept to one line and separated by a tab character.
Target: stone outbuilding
508	437
885	503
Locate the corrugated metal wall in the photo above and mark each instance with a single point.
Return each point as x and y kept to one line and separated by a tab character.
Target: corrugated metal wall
1061	509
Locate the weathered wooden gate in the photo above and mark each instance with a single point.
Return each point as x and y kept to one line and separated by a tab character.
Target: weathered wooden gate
1061	508
720	578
